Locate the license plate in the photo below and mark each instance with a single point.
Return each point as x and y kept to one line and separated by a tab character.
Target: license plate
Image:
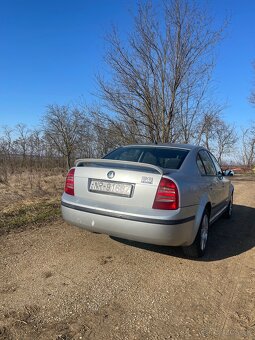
110	187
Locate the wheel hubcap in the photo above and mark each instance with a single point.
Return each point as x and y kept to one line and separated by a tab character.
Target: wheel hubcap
230	206
204	232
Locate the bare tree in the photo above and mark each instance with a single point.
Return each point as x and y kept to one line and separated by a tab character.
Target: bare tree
248	146
37	146
22	142
206	129
215	134
65	129
160	77
6	149
225	139
6	142
248	137
111	133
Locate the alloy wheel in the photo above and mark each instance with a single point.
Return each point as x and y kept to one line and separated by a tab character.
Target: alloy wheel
204	232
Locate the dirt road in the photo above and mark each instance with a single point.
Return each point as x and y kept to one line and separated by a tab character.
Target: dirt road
59	282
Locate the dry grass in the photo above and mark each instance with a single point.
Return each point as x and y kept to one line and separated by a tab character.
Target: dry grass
30	198
29	214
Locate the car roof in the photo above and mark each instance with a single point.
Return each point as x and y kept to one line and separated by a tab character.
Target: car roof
170	145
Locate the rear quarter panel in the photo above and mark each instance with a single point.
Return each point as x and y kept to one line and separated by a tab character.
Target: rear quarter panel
193	190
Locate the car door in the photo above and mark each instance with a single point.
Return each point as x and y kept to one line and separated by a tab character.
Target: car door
224	181
213	182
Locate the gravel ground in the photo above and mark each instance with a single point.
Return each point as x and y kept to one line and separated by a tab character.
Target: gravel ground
60	282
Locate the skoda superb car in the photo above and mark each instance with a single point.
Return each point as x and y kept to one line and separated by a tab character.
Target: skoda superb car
165	194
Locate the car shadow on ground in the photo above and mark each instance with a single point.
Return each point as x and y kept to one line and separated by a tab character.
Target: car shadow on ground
227	238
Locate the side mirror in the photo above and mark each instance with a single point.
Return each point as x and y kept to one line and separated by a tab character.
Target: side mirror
220	174
228	172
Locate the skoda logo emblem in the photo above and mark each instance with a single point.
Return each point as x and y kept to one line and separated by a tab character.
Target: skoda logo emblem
111	174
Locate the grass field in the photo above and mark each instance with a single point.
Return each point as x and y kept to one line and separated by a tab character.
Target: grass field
30	199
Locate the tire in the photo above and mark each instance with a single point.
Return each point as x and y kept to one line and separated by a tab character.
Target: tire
229	210
199	246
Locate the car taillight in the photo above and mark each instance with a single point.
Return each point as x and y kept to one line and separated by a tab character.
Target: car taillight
69	187
167	196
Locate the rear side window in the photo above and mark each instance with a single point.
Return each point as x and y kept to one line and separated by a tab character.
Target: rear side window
200	165
216	164
167	158
207	163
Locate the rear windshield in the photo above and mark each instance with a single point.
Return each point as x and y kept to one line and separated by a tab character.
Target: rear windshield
166	158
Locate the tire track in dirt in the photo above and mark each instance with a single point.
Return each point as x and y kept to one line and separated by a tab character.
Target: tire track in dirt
240	271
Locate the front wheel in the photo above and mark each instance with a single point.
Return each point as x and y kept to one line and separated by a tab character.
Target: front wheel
198	247
229	210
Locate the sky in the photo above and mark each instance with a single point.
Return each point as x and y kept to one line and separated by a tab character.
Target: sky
50	51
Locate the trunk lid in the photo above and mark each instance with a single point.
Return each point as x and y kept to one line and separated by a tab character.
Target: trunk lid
116	185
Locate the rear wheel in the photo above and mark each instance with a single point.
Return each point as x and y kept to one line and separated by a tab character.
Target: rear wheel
198	247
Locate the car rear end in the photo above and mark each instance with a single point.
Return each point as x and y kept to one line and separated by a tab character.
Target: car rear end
131	200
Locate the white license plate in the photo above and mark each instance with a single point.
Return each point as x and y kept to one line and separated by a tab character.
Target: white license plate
109	187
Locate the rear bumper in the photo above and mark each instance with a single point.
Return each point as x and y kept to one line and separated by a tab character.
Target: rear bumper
169	232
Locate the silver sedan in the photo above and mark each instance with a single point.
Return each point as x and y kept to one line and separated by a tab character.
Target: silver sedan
166	194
